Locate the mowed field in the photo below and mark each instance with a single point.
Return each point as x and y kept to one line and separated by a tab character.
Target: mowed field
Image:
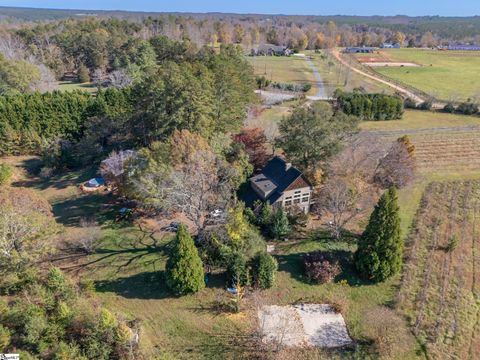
291	69
441	283
447	75
337	76
73	86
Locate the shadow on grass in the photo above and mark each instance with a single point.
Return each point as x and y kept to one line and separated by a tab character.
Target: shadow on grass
96	206
58	181
147	285
293	264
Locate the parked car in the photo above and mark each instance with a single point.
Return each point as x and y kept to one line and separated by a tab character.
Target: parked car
173	227
216	213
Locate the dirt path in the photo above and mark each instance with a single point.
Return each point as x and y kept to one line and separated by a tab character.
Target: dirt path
408	93
321	94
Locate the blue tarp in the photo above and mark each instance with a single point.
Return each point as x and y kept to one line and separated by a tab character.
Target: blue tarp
96	182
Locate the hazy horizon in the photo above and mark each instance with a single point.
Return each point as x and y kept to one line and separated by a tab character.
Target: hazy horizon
463	8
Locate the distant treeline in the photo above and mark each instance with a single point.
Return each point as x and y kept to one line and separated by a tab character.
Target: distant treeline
370	106
454	28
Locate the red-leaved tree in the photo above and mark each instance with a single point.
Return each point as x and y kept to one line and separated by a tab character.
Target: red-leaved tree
255	143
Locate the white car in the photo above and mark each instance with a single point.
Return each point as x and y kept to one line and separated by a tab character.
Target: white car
216	213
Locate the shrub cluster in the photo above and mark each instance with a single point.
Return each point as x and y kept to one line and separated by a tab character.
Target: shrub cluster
465	108
292	87
370	106
48	319
5	173
260	271
273	222
320	267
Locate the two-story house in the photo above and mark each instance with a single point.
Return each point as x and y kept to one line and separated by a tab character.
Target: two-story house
282	185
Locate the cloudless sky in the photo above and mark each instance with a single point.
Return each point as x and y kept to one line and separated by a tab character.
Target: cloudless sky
299	7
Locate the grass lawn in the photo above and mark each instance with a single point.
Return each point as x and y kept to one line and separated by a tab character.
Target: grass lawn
447	75
416	119
71	86
291	69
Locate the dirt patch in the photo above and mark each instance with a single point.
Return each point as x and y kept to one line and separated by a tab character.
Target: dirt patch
316	325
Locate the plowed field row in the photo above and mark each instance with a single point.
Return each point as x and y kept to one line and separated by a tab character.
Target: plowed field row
441	287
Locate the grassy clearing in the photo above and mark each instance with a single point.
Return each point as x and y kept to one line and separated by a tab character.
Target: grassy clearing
440	287
416	119
290	69
71	86
448	75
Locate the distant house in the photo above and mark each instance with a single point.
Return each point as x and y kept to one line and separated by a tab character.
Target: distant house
360	50
282	185
462	47
390	46
271	50
70	76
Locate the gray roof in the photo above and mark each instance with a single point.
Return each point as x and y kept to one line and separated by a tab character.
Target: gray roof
277	175
264	183
276	48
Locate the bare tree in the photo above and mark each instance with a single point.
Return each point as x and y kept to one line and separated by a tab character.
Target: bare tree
397	167
114	166
27	227
199	186
342	200
120	79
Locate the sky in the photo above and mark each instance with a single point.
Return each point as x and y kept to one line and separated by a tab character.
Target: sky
294	7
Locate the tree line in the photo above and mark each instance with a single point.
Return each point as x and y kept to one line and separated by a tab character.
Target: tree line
203	92
370	106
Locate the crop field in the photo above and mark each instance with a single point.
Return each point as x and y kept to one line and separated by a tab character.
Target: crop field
444	143
290	69
440	286
447	75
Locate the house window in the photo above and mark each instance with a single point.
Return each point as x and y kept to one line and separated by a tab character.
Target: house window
297	196
305	199
288	198
298	191
296	201
288	203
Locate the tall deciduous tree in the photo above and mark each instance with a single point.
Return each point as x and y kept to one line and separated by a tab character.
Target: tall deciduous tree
184	270
27	228
397	167
255	145
380	249
313	134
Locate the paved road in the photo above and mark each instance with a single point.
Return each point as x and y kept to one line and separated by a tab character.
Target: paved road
321	93
406	92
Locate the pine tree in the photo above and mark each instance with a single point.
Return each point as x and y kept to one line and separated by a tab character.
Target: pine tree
280	226
380	248
83	74
184	270
266	214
